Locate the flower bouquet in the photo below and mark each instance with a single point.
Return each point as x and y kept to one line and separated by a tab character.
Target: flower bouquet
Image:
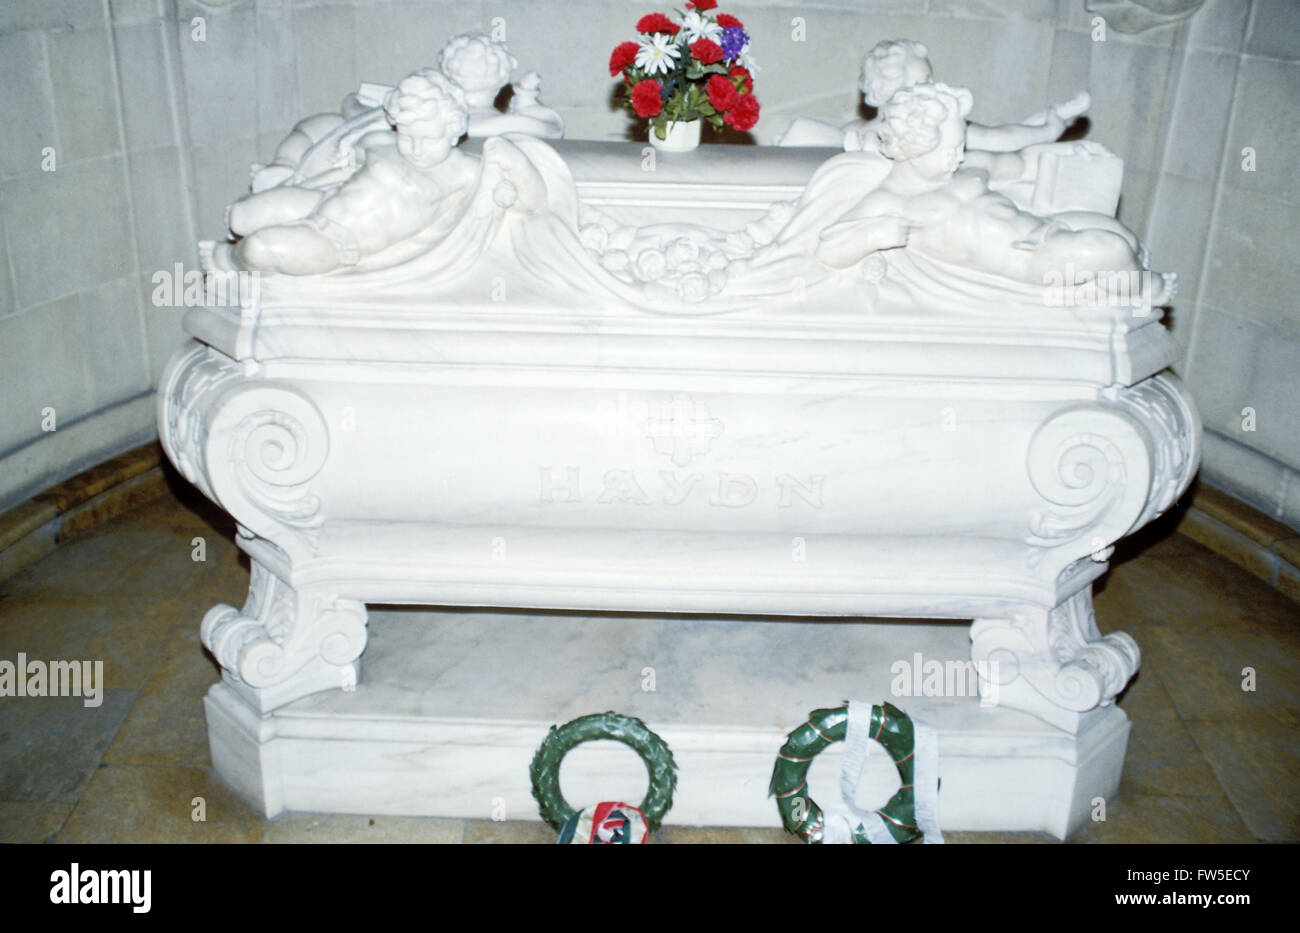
678	72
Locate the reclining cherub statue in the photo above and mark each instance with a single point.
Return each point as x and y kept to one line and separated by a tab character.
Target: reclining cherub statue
900	63
409	178
482	66
927	203
320	146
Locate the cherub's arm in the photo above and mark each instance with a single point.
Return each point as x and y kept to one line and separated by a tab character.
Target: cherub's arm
1003	167
1043	127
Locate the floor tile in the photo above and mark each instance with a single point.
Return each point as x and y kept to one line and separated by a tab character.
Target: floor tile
525	832
722	835
228	581
128	635
1149	818
1176	581
999	839
118	561
34	547
1247	553
1256	761
29	822
24	519
135	804
167	726
339	828
183	506
51	746
1162	757
1205	671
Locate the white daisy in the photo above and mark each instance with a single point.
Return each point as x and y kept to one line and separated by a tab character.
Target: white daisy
744	60
658	53
700	27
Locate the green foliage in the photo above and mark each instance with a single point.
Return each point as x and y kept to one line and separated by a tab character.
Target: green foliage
653	751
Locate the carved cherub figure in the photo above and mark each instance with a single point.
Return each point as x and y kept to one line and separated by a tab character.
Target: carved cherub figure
930	205
892	65
482	66
405	180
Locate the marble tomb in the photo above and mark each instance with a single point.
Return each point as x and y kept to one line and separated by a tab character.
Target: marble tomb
614	410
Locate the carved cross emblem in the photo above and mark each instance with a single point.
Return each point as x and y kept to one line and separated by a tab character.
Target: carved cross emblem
683	430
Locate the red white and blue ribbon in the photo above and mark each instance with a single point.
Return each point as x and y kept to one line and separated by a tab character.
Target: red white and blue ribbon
608	823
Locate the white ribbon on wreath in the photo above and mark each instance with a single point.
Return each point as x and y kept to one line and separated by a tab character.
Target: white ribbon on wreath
839	821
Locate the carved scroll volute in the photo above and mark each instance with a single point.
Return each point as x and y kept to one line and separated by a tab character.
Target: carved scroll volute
1107	469
266	442
192	380
1059	652
1167	411
1093	466
279	631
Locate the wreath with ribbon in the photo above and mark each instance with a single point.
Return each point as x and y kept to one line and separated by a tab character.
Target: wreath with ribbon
897	733
632	732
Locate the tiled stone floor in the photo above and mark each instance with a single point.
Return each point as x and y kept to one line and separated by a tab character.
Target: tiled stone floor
1207	761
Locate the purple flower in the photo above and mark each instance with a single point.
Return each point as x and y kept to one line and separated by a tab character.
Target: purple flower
734	39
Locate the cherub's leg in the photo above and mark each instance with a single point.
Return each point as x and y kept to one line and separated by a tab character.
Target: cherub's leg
295	249
271	208
1091	220
1088	254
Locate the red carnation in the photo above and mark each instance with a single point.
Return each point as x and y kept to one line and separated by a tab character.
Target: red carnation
727	21
656	22
706	51
647	98
722	93
740	72
744	114
701	5
624	54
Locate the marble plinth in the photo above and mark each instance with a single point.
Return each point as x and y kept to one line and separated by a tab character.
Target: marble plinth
454	703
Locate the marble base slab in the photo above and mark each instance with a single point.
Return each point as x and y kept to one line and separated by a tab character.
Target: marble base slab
453	704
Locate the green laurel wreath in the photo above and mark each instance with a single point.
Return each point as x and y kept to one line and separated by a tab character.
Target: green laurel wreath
890	726
653	751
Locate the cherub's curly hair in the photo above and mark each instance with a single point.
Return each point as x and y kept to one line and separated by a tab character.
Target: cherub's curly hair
891	57
429	97
914	116
476	61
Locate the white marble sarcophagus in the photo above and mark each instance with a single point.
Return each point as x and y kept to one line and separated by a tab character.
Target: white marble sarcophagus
766	381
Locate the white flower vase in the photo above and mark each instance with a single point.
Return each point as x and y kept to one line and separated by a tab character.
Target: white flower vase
679	136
